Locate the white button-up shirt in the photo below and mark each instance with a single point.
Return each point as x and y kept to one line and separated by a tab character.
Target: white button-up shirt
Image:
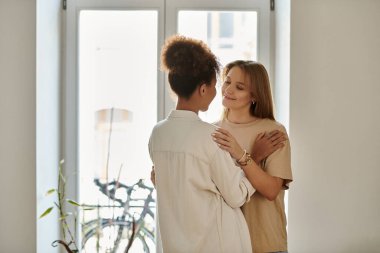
199	188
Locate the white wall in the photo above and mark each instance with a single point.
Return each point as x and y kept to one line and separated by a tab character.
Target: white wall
29	91
17	126
334	203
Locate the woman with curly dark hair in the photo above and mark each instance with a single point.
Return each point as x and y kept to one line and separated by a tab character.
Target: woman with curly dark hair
199	187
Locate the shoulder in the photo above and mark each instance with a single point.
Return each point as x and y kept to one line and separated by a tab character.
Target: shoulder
217	123
159	125
202	144
201	134
206	127
272	125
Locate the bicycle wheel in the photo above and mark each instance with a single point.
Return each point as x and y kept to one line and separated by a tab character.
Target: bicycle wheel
106	235
110	239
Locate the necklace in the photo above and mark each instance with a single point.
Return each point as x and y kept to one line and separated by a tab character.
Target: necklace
250	120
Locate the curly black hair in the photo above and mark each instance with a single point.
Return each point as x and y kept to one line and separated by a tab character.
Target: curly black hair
189	63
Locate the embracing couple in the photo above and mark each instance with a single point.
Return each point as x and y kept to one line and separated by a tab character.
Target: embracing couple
220	187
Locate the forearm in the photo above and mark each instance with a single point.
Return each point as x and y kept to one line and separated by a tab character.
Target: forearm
230	181
264	183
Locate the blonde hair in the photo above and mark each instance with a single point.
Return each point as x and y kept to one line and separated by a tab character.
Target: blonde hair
259	87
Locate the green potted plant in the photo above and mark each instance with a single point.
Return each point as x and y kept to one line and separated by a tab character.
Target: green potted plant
68	240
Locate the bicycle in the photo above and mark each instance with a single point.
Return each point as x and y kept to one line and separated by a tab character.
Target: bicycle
125	227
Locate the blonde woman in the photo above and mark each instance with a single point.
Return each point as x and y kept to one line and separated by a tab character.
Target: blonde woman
248	116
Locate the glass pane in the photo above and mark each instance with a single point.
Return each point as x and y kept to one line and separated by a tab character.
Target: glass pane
231	35
117	110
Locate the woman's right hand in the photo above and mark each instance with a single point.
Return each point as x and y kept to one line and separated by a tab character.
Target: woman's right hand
267	143
227	142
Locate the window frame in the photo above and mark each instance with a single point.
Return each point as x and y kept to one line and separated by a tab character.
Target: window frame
167	25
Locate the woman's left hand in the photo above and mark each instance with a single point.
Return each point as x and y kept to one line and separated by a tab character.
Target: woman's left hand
227	142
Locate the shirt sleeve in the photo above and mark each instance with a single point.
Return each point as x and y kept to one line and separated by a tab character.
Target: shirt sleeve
230	180
278	164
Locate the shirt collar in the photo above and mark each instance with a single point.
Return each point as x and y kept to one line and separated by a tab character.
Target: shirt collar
190	115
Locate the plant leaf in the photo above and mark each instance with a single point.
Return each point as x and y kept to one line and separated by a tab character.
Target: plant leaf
47	211
50	191
64	216
72	202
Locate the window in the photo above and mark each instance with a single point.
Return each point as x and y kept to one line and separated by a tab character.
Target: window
115	93
118	108
230	35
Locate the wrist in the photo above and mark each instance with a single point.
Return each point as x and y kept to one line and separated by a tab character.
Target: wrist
245	160
256	158
242	156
